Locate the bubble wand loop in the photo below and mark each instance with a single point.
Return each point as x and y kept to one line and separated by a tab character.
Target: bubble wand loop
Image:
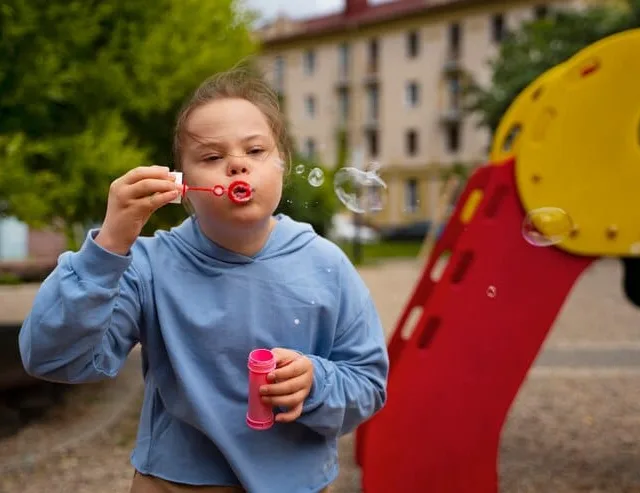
238	192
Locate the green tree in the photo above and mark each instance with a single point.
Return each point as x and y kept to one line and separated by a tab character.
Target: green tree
89	89
307	198
540	45
308	194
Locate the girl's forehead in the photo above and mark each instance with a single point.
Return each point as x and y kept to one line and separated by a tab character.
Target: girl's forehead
228	117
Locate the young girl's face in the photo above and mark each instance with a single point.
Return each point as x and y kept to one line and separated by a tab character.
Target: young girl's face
228	140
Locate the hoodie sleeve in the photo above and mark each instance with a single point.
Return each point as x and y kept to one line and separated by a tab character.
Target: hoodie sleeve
350	384
85	318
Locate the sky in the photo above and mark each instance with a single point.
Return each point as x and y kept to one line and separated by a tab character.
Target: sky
298	8
295	8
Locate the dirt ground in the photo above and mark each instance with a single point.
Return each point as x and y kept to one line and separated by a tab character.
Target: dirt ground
574	428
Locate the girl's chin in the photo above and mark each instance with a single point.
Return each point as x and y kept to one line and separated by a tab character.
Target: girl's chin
239	214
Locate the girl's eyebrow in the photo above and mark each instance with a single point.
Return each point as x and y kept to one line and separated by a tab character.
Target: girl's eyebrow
217	142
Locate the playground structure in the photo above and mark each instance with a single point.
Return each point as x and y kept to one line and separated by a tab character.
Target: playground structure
571	140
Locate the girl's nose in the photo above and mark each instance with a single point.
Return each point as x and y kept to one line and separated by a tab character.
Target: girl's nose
237	166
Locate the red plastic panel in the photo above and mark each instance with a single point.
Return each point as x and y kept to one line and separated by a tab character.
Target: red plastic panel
424	287
482	326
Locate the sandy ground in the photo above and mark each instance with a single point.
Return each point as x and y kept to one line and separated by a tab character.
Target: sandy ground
574	428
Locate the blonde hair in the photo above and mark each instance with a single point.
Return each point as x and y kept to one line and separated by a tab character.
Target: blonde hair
239	82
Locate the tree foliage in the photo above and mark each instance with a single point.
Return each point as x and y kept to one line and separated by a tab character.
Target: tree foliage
540	45
307	199
90	88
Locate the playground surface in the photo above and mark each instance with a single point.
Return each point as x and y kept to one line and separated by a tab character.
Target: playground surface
574	428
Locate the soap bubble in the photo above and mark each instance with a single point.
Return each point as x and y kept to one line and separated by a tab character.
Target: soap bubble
492	291
374	166
546	226
316	177
360	191
299	169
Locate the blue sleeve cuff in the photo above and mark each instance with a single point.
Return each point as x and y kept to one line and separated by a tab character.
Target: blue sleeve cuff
322	369
97	265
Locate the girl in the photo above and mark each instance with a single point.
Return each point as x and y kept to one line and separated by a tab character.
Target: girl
198	298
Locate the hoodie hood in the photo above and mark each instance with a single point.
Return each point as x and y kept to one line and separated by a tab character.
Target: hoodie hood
286	237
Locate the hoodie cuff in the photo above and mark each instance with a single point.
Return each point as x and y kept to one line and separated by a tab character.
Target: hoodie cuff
322	371
94	264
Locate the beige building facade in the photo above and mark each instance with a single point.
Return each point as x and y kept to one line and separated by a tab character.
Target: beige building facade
387	78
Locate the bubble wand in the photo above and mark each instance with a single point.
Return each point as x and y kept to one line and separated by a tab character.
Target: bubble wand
239	191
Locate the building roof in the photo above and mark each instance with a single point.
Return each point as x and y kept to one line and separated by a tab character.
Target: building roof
285	30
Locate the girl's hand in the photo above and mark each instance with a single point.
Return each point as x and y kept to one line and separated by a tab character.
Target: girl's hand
132	199
292	380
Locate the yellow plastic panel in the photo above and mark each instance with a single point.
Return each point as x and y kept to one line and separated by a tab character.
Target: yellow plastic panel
580	149
507	136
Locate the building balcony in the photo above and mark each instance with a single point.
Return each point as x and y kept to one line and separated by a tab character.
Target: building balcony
452	66
343	80
371	122
371	75
451	116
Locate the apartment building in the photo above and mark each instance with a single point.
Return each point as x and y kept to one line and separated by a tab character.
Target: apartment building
387	78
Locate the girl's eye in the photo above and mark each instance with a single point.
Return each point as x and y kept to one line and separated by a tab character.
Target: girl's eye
256	150
211	158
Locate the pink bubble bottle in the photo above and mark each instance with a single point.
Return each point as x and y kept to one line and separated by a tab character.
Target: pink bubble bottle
261	363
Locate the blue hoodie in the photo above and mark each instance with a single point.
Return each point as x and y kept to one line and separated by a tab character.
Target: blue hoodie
198	310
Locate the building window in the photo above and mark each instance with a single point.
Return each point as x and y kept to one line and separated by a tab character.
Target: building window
372	142
372	62
453	137
455	40
310	148
278	73
310	106
372	103
343	105
411	142
411	195
412	94
413	44
540	12
309	62
343	60
498	30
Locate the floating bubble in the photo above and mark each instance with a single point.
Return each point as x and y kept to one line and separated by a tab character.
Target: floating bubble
360	191
316	177
546	226
374	166
296	321
299	169
492	291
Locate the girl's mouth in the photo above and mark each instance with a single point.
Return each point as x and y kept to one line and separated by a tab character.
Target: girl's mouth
240	192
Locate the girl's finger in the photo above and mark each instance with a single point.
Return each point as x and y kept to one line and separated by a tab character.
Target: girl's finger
149	186
287	401
287	387
144	172
290	415
158	200
294	369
